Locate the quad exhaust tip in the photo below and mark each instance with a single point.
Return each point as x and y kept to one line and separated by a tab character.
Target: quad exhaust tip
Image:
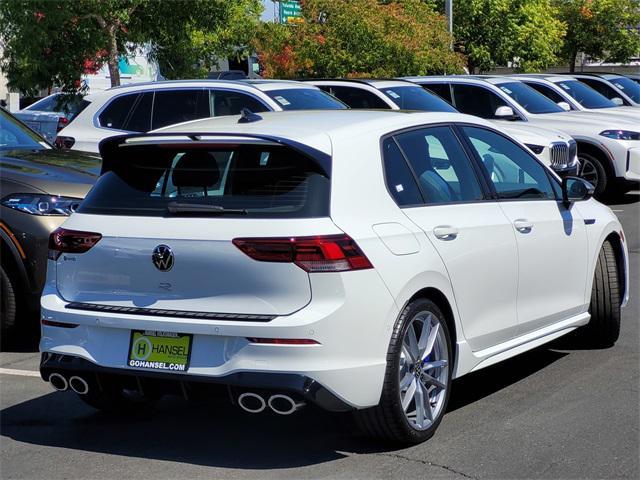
79	385
284	404
251	402
58	382
278	403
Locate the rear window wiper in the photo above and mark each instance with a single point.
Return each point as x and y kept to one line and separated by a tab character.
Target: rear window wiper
203	209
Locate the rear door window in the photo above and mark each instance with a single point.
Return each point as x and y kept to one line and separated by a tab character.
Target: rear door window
117	112
441	89
177	106
445	173
478	101
140	118
356	97
235	180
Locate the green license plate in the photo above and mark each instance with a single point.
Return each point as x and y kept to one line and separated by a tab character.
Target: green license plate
159	350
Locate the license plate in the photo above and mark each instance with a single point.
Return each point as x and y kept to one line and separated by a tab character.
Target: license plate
159	350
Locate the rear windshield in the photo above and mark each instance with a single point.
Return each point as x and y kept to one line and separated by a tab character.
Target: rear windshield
237	181
305	99
417	98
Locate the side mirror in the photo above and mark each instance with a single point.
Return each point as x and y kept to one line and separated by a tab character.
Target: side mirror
565	106
576	189
505	113
618	101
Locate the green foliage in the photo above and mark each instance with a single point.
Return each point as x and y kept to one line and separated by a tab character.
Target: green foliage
497	32
350	38
53	42
600	29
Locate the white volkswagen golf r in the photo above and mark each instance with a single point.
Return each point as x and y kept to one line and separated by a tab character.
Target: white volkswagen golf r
357	260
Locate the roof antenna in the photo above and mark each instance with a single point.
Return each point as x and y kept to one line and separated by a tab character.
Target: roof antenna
247	116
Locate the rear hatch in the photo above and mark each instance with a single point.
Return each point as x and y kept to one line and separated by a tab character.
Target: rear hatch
168	214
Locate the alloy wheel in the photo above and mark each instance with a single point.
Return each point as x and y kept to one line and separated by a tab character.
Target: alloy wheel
588	171
423	370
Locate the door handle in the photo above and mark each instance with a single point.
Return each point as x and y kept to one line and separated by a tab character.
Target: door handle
522	225
445	232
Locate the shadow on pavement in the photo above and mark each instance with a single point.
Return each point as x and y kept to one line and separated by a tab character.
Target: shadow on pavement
215	433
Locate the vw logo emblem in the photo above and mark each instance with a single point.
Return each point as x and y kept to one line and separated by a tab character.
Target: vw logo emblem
162	258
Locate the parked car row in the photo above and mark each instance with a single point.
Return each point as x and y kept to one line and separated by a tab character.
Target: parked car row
222	233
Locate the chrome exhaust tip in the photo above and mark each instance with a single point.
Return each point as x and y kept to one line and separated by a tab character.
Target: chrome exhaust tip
58	382
79	385
251	402
284	404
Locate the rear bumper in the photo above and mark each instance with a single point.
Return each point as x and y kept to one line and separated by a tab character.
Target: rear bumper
297	385
351	317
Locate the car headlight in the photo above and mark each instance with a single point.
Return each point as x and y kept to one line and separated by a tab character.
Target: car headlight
36	204
537	149
621	134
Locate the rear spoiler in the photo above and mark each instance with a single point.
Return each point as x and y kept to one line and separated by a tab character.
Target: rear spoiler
116	149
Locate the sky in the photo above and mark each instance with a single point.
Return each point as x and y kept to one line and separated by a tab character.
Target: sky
268	15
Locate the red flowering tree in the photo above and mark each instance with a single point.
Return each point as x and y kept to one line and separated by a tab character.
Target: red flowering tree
354	38
53	42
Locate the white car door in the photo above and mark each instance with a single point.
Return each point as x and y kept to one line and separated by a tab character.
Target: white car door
471	235
551	238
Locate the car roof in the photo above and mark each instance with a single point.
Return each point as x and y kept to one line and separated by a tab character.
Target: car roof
373	82
479	79
313	127
541	76
605	75
246	85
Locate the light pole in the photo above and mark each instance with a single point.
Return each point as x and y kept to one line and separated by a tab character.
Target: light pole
448	11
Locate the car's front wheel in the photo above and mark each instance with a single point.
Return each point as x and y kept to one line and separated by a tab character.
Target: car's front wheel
417	380
8	303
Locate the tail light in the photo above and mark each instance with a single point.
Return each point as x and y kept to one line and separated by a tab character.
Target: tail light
328	253
62	122
64	142
71	241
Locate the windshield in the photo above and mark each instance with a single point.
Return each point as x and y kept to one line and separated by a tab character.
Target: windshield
14	135
305	99
585	95
530	100
628	86
416	98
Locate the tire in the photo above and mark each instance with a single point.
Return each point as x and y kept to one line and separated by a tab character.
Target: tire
388	420
603	328
116	400
591	168
8	303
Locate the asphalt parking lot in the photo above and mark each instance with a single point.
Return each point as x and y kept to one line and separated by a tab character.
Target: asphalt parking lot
555	412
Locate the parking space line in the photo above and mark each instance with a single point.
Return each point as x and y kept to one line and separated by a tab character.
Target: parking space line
21	373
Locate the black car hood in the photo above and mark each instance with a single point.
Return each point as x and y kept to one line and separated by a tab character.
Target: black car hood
57	172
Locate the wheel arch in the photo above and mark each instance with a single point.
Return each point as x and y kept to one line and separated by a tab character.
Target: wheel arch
443	303
12	262
598	151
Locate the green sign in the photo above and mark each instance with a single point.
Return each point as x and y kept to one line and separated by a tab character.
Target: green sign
290	12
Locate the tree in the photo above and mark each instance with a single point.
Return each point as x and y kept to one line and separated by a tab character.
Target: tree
526	33
602	29
53	42
351	38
